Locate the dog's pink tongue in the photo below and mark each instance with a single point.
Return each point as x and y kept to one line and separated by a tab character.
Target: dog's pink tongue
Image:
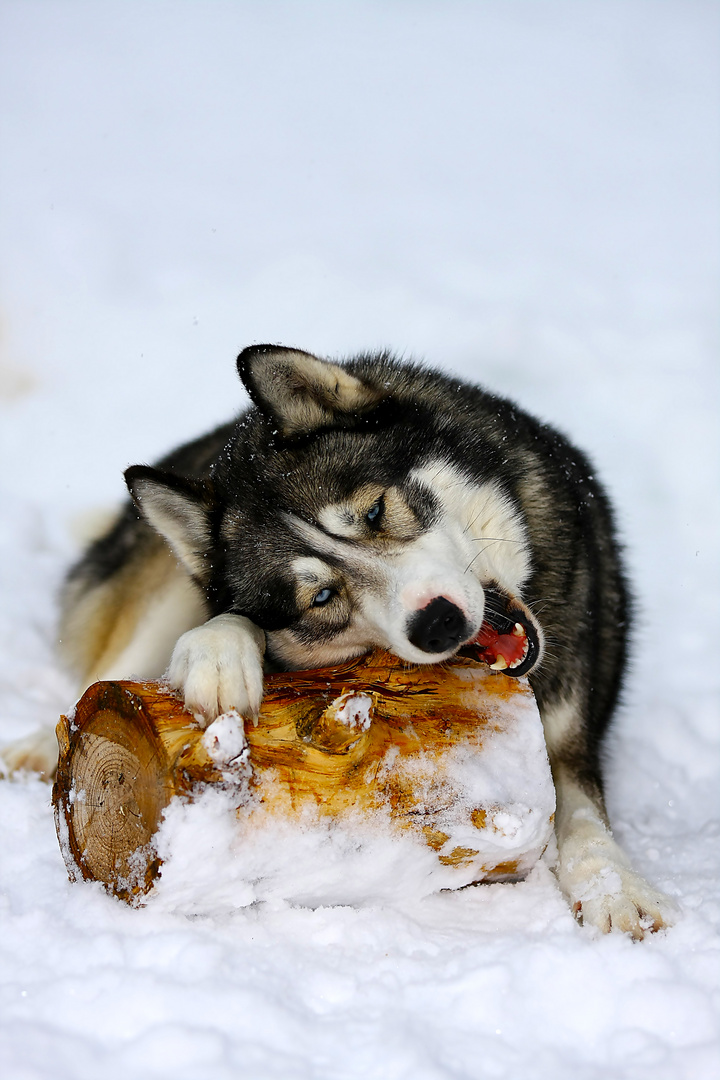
500	651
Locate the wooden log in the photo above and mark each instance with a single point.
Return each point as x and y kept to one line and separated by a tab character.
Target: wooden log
373	735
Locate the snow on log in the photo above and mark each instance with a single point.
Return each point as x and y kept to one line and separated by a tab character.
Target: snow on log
452	754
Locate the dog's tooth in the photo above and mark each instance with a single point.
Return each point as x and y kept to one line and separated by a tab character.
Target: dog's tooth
519	630
500	664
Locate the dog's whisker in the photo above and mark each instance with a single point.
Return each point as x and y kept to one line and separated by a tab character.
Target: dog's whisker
495	540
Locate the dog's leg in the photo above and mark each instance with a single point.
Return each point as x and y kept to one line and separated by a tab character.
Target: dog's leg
593	871
174	609
123	629
219	666
36	753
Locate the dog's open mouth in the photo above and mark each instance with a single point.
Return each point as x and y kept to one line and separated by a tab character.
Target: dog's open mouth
508	640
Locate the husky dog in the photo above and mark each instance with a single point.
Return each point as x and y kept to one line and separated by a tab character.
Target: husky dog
365	504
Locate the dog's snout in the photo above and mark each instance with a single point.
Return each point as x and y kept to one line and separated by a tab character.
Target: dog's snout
439	627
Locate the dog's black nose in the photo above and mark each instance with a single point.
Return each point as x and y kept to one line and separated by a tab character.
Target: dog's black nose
438	627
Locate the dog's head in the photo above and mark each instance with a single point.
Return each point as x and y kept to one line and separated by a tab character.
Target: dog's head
340	517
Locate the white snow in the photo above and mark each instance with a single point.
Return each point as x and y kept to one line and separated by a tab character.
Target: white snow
354	710
224	739
523	193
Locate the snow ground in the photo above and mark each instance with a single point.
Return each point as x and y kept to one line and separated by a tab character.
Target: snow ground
521	192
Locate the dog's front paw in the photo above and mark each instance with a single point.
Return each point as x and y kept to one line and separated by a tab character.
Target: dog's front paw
219	666
609	895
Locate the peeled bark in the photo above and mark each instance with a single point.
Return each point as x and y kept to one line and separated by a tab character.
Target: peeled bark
371	734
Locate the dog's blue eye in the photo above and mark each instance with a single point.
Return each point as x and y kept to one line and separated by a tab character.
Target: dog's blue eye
322	597
375	513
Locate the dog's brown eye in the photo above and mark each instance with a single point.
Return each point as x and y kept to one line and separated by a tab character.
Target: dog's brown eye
323	597
374	515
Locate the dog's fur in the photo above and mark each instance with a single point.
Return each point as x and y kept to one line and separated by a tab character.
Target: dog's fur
335	515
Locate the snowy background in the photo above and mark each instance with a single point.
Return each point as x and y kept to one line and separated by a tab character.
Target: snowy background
523	192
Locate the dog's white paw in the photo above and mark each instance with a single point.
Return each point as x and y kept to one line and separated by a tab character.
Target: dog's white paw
219	666
606	893
37	753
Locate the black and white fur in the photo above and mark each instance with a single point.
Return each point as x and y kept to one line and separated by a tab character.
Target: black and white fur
329	519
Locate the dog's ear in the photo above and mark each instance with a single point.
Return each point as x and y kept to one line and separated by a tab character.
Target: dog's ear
301	392
179	509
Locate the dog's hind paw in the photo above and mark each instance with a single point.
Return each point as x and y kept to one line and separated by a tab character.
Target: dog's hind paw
613	897
219	666
38	753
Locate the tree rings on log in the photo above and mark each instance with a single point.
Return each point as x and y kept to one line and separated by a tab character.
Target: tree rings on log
452	755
